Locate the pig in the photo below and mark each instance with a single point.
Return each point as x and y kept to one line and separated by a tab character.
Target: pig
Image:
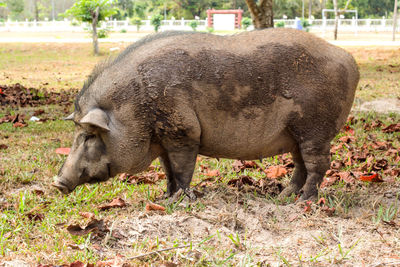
175	95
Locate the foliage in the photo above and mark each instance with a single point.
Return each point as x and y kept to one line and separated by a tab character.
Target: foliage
82	10
103	33
210	29
16	7
306	25
156	21
136	21
2	3
280	24
246	22
193	24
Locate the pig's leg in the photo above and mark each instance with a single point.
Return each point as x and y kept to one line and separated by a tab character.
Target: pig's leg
182	163
317	161
171	182
299	176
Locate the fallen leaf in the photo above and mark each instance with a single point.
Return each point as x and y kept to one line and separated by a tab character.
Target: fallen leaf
274	172
3	146
19	124
88	215
63	150
321	201
35	216
307	207
371	178
328	211
392	128
115	203
150	177
95	226
213	173
152	206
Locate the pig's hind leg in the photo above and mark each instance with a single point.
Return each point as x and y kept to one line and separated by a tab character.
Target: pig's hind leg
317	161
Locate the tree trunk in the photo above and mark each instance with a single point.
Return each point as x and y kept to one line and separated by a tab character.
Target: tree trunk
36	10
336	19
95	18
394	20
262	14
309	9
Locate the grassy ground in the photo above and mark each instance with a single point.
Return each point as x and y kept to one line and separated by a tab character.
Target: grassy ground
231	224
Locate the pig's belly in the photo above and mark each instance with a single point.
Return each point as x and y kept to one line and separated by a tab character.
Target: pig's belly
245	140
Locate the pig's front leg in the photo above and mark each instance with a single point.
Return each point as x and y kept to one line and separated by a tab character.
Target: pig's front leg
179	165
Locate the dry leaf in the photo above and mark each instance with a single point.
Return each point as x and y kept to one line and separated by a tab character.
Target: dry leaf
152	206
371	178
115	203
96	226
213	173
274	172
88	215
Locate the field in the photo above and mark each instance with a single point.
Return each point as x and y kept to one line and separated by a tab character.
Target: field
236	221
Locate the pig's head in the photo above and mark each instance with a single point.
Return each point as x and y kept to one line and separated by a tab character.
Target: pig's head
88	161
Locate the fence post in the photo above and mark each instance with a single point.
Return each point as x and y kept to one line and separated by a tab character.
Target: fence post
115	24
323	25
127	23
368	22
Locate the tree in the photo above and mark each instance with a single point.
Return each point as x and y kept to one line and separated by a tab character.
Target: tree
337	14
156	21
16	8
394	20
262	14
92	11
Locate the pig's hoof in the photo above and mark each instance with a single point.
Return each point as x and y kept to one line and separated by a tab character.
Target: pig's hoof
308	196
287	192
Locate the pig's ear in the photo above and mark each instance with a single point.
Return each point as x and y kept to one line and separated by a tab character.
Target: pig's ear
96	117
70	117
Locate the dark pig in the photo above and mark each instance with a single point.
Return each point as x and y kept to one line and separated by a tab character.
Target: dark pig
248	96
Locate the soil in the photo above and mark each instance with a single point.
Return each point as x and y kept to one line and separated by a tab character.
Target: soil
266	229
385	105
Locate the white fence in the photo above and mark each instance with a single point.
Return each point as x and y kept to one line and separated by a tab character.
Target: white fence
318	25
114	25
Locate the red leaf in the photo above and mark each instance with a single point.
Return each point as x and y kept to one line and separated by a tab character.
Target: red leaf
115	203
19	124
274	172
63	150
213	173
152	206
371	178
307	207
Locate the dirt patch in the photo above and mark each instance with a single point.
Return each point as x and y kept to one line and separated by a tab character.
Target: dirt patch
255	226
386	105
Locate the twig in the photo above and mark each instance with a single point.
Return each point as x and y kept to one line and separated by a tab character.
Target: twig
157	251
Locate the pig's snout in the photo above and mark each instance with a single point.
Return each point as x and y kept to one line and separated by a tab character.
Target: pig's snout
61	186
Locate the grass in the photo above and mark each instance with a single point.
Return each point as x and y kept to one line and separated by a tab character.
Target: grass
226	227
